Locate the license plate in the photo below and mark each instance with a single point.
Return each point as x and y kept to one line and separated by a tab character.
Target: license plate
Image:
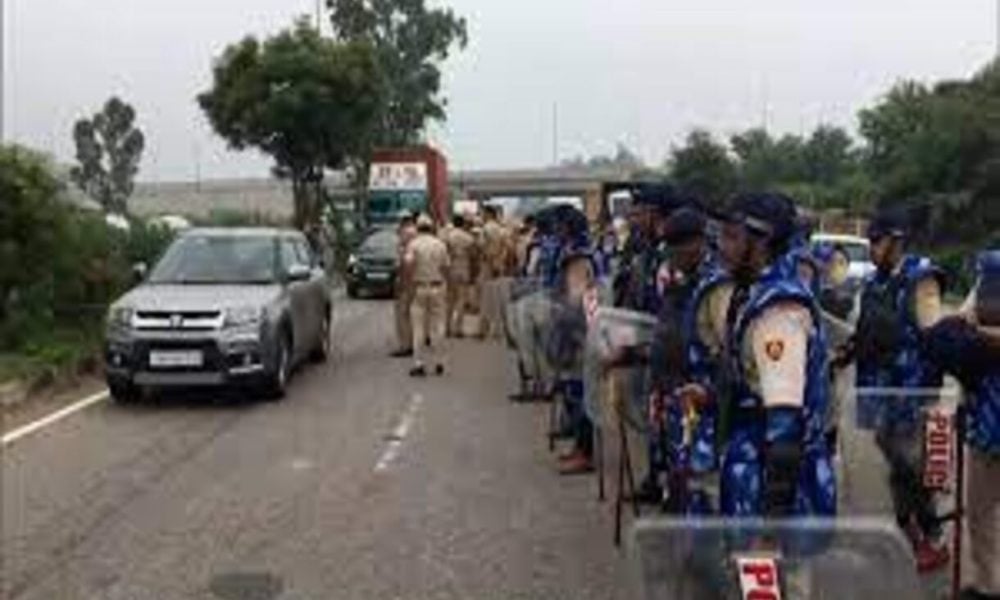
175	358
378	276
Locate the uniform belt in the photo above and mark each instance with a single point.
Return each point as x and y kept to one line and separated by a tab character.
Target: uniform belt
430	283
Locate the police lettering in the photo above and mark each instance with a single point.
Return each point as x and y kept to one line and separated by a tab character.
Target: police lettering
937	450
759	578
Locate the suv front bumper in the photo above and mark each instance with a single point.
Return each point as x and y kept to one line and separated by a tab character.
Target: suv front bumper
237	357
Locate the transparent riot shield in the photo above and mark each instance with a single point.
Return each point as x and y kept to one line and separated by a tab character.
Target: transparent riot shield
617	386
616	367
707	559
527	312
906	463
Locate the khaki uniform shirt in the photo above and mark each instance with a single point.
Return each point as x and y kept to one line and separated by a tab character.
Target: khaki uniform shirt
461	250
427	259
494	247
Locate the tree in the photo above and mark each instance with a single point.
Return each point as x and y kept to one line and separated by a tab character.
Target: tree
624	158
827	155
703	166
108	150
410	42
307	101
936	149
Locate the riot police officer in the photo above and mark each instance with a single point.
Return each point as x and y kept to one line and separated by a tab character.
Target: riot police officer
968	346
683	434
637	288
774	459
899	302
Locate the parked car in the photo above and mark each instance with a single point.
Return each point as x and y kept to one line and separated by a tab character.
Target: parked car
857	249
221	307
371	269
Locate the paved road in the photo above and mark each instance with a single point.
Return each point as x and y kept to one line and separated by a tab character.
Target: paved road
361	484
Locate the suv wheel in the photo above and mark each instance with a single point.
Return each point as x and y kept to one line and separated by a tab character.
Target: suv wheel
322	350
278	380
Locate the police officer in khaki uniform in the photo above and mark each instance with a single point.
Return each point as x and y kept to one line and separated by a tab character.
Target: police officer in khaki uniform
427	264
462	254
406	231
494	261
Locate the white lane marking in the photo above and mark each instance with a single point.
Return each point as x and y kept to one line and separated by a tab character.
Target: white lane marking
399	434
388	455
34	426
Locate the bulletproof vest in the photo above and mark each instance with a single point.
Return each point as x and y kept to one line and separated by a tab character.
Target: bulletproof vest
837	300
671	343
879	331
988	294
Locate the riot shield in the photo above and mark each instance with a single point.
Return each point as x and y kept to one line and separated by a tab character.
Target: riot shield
707	559
527	313
611	379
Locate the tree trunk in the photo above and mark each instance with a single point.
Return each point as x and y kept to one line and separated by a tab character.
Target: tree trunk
300	200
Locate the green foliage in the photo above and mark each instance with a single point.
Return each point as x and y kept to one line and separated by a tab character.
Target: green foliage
938	149
59	267
704	167
32	222
108	150
307	101
146	243
410	42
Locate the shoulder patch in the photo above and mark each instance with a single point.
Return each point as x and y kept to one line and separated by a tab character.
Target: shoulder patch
775	349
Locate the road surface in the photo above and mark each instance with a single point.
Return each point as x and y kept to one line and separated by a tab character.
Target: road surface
361	484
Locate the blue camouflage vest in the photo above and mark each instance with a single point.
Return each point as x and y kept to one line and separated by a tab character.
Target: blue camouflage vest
705	368
753	428
906	364
983	412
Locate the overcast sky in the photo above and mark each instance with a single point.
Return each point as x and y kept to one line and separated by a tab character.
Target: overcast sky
640	72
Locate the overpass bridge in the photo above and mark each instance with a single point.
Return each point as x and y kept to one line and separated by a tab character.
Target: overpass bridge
273	198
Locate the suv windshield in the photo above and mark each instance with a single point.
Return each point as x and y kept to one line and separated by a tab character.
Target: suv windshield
217	259
382	242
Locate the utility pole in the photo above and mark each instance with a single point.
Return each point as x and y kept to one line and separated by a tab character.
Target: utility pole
319	14
3	68
555	134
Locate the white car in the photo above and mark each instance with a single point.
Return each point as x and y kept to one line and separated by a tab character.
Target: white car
857	250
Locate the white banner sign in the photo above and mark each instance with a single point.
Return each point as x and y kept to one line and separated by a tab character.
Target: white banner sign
398	176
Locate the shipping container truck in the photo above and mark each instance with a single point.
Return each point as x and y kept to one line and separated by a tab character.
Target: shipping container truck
407	180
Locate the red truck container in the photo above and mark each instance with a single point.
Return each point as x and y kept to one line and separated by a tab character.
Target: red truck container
412	179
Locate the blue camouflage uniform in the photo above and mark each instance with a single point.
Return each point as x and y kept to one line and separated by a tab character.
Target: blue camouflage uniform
774	459
754	430
690	439
983	397
891	352
899	362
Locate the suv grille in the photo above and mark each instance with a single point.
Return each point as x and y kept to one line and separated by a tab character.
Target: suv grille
153	320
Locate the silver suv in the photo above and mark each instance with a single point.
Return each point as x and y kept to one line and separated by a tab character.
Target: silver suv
223	306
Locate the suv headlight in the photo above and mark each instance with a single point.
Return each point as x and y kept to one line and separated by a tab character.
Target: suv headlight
242	316
120	316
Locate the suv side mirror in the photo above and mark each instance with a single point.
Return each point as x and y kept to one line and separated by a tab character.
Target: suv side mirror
298	272
139	272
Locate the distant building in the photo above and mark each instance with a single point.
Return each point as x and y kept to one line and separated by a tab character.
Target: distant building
267	197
